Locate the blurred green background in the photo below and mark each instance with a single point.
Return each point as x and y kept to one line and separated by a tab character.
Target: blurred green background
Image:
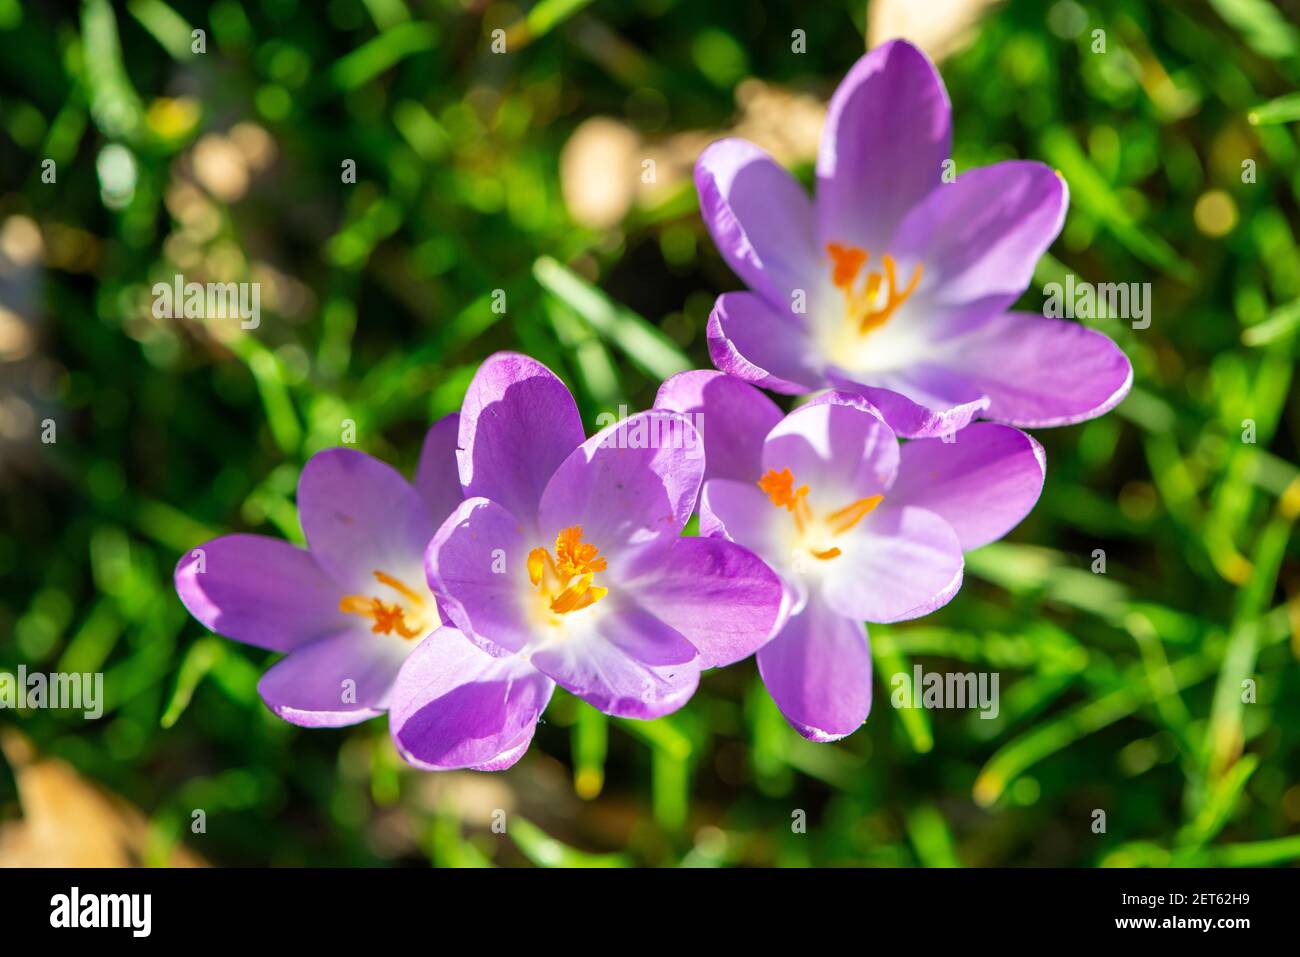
526	171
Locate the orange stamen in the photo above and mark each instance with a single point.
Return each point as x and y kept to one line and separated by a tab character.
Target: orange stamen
780	488
860	305
569	578
841	520
387	618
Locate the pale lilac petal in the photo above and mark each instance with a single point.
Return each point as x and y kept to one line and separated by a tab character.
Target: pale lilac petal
982	483
978	240
517	424
921	402
631	484
887	134
260	591
818	671
731	417
437	477
456	706
760	218
360	516
896	564
622	660
751	341
334	681
1039	372
740	512
841	451
721	597
477	565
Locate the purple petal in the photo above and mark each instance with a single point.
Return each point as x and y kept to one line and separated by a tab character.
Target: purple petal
361	516
477	564
260	591
731	417
437	477
838	449
760	218
978	240
888	131
1040	372
334	681
982	483
751	341
456	706
740	512
896	564
622	660
631	484
721	597
517	424
922	402
818	671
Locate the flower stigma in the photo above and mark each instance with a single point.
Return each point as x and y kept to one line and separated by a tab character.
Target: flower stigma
566	582
814	532
871	305
412	615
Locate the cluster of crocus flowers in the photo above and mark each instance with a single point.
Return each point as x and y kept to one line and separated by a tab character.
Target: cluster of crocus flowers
523	556
527	555
892	287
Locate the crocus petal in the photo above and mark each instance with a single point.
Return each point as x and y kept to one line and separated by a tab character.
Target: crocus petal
1040	372
721	597
477	565
897	563
731	417
760	218
838	449
911	405
334	681
631	484
623	661
979	239
361	516
818	671
888	131
260	591
456	706
437	478
517	424
740	512
982	483
753	342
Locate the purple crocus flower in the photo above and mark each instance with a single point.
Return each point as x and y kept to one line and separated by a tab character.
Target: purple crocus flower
361	631
893	283
860	528
567	553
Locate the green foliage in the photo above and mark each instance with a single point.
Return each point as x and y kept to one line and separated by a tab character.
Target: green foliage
1121	691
